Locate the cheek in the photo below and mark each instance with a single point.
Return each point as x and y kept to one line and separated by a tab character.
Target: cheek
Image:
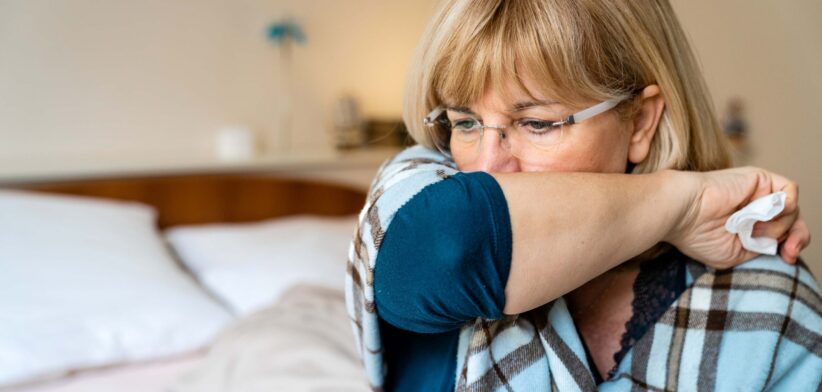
461	159
597	152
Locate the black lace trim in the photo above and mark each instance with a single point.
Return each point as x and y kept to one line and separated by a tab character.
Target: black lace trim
659	283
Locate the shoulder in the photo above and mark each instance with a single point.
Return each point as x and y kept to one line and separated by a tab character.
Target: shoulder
765	294
773	274
766	313
765	283
762	273
404	176
789	289
414	162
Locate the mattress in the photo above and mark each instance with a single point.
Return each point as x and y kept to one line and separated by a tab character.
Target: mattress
155	376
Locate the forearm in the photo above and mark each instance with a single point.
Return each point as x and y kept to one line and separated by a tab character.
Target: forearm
571	227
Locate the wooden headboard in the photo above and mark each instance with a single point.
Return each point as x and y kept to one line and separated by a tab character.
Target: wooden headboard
196	199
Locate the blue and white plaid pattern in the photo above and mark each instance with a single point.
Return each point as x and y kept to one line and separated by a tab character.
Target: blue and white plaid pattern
755	327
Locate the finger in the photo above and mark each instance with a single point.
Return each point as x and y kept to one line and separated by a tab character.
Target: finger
764	183
787	254
776	228
799	237
791	190
768	182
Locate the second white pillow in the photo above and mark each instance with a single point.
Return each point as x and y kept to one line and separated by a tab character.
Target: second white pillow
249	266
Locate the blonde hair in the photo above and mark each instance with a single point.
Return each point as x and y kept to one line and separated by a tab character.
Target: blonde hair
578	51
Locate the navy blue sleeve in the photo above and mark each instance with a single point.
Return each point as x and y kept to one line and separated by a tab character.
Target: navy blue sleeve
445	257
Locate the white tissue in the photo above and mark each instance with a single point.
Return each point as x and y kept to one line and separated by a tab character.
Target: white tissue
762	209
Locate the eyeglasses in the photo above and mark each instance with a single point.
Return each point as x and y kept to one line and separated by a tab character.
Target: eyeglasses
524	137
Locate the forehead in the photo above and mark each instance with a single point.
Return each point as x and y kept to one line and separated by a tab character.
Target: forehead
502	89
508	96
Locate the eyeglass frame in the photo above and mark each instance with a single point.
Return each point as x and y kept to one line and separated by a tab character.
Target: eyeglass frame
582	115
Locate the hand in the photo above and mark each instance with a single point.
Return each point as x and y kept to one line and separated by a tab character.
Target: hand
718	194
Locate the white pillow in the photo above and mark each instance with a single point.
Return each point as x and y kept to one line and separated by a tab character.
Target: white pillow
250	265
88	282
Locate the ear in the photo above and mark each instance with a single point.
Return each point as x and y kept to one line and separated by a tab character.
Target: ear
645	123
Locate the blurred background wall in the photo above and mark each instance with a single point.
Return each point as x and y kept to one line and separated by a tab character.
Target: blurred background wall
769	54
159	77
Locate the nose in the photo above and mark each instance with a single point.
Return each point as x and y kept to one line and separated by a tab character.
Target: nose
494	155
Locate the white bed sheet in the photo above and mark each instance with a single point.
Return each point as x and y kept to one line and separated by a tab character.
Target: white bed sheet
155	376
303	343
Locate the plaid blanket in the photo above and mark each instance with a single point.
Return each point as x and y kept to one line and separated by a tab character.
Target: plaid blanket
751	328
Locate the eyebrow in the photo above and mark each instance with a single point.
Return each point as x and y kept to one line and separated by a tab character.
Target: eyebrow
520	106
460	109
517	107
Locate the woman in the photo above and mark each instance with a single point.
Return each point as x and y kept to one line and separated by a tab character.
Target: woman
560	225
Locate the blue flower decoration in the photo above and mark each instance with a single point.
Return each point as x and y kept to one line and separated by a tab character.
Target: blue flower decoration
282	31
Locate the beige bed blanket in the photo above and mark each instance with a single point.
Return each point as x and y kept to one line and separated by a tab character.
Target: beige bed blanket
303	343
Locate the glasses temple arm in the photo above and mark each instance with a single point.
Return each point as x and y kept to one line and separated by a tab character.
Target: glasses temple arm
593	111
429	119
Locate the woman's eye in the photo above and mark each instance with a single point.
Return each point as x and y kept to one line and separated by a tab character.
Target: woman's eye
537	126
464	124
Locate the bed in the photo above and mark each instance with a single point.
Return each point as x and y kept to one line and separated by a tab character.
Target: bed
176	283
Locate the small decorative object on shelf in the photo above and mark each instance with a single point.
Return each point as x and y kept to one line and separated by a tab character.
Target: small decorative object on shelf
284	34
735	127
235	144
348	124
387	132
285	31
